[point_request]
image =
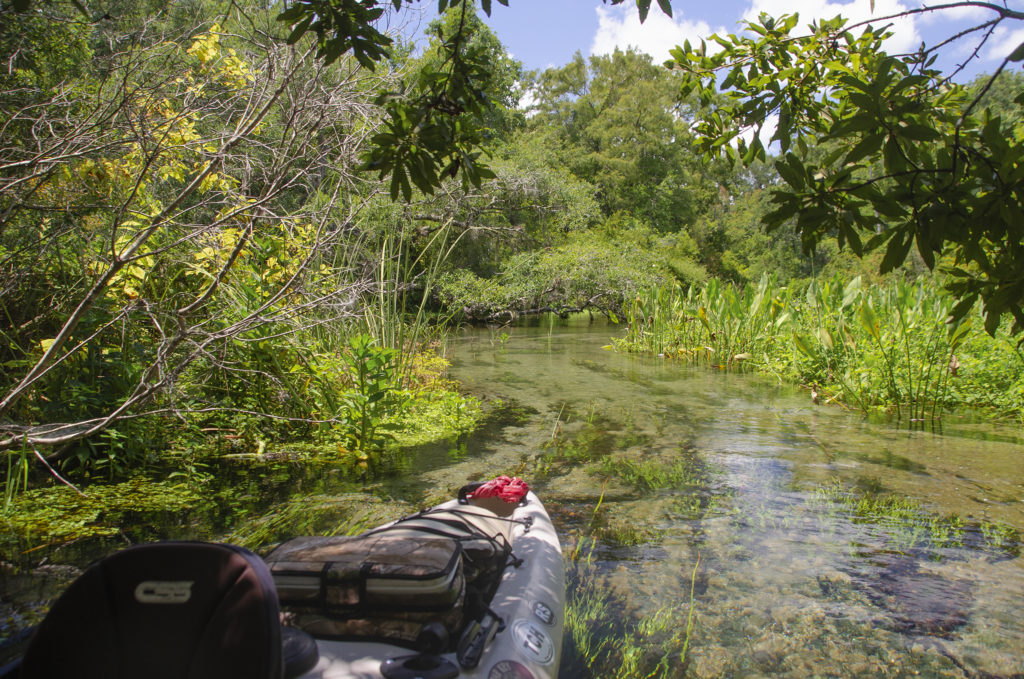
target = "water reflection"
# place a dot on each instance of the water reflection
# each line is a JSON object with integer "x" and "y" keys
{"x": 824, "y": 544}
{"x": 717, "y": 524}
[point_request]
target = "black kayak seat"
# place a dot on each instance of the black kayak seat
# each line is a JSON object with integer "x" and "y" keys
{"x": 168, "y": 610}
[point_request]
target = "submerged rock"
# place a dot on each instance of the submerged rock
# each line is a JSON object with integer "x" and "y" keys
{"x": 711, "y": 661}
{"x": 920, "y": 602}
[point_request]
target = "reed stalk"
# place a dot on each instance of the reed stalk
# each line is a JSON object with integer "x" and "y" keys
{"x": 880, "y": 346}
{"x": 689, "y": 614}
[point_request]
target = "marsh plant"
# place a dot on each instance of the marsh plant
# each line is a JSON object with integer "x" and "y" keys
{"x": 603, "y": 640}
{"x": 375, "y": 393}
{"x": 58, "y": 515}
{"x": 17, "y": 478}
{"x": 574, "y": 442}
{"x": 339, "y": 514}
{"x": 603, "y": 643}
{"x": 875, "y": 347}
{"x": 905, "y": 526}
{"x": 651, "y": 475}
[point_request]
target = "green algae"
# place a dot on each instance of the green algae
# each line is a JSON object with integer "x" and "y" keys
{"x": 59, "y": 515}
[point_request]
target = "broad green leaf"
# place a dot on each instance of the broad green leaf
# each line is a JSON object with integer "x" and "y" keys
{"x": 924, "y": 248}
{"x": 892, "y": 154}
{"x": 867, "y": 146}
{"x": 993, "y": 315}
{"x": 888, "y": 207}
{"x": 896, "y": 252}
{"x": 869, "y": 320}
{"x": 643, "y": 7}
{"x": 396, "y": 181}
{"x": 918, "y": 132}
{"x": 292, "y": 14}
{"x": 791, "y": 170}
{"x": 825, "y": 337}
{"x": 857, "y": 123}
{"x": 854, "y": 239}
{"x": 957, "y": 332}
{"x": 299, "y": 30}
{"x": 803, "y": 345}
{"x": 856, "y": 83}
{"x": 852, "y": 291}
{"x": 703, "y": 316}
{"x": 812, "y": 293}
{"x": 782, "y": 213}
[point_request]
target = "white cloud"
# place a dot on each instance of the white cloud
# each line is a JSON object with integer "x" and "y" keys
{"x": 1003, "y": 43}
{"x": 620, "y": 27}
{"x": 528, "y": 99}
{"x": 958, "y": 16}
{"x": 906, "y": 37}
{"x": 771, "y": 124}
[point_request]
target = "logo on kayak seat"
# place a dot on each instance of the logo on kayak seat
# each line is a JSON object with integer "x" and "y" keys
{"x": 509, "y": 669}
{"x": 533, "y": 642}
{"x": 544, "y": 613}
{"x": 164, "y": 591}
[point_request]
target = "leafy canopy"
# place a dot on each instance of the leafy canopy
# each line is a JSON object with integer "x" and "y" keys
{"x": 432, "y": 127}
{"x": 883, "y": 150}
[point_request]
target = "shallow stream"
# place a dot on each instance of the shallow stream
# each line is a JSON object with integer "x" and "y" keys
{"x": 715, "y": 524}
{"x": 812, "y": 542}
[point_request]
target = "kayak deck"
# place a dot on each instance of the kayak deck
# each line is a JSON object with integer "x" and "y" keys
{"x": 530, "y": 602}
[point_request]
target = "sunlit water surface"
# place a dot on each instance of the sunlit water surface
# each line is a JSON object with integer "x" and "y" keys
{"x": 814, "y": 543}
{"x": 811, "y": 542}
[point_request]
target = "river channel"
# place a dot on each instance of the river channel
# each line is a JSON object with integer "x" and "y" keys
{"x": 715, "y": 524}
{"x": 809, "y": 541}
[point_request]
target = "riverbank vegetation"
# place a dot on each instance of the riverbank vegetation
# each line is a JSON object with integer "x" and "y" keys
{"x": 226, "y": 234}
{"x": 883, "y": 347}
{"x": 190, "y": 254}
{"x": 217, "y": 230}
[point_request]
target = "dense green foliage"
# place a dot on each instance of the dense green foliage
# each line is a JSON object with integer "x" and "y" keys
{"x": 186, "y": 239}
{"x": 886, "y": 347}
{"x": 432, "y": 126}
{"x": 883, "y": 151}
{"x": 598, "y": 196}
{"x": 249, "y": 225}
{"x": 875, "y": 145}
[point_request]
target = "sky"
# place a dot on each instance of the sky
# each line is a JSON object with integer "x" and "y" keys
{"x": 545, "y": 33}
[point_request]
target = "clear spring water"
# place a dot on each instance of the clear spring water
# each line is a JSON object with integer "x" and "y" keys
{"x": 814, "y": 543}
{"x": 828, "y": 545}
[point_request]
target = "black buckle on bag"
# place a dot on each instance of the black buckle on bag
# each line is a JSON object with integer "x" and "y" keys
{"x": 476, "y": 637}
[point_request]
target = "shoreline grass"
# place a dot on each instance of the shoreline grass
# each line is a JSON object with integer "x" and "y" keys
{"x": 872, "y": 347}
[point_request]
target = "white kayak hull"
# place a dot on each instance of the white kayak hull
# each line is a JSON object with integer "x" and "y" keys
{"x": 530, "y": 601}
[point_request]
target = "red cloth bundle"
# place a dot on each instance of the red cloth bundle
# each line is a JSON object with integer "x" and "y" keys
{"x": 509, "y": 490}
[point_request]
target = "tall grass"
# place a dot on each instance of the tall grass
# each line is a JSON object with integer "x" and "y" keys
{"x": 16, "y": 479}
{"x": 874, "y": 347}
{"x": 406, "y": 276}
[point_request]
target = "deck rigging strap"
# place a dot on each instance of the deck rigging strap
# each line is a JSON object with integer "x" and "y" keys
{"x": 467, "y": 529}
